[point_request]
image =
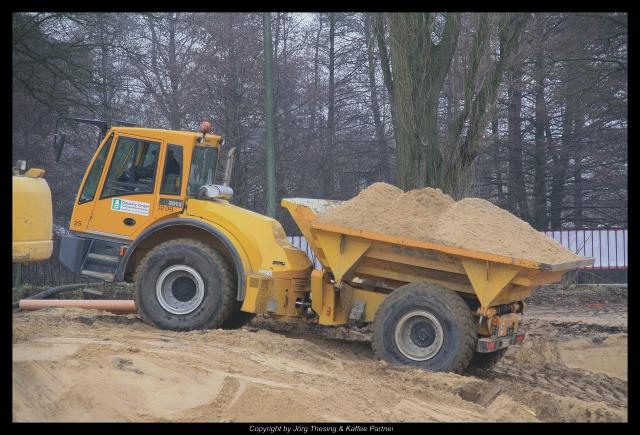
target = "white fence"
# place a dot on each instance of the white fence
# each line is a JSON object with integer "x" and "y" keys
{"x": 608, "y": 246}
{"x": 301, "y": 242}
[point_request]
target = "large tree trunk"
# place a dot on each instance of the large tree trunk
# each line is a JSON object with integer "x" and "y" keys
{"x": 497, "y": 156}
{"x": 174, "y": 76}
{"x": 561, "y": 155}
{"x": 316, "y": 75}
{"x": 106, "y": 111}
{"x": 463, "y": 149}
{"x": 168, "y": 97}
{"x": 419, "y": 70}
{"x": 578, "y": 212}
{"x": 329, "y": 169}
{"x": 383, "y": 168}
{"x": 539, "y": 187}
{"x": 517, "y": 193}
{"x": 385, "y": 61}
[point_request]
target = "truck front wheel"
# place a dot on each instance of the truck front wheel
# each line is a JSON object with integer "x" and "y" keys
{"x": 184, "y": 284}
{"x": 427, "y": 326}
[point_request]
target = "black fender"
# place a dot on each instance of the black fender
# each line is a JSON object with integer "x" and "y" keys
{"x": 119, "y": 276}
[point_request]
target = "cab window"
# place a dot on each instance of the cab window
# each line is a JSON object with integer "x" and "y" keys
{"x": 91, "y": 185}
{"x": 203, "y": 168}
{"x": 133, "y": 168}
{"x": 172, "y": 177}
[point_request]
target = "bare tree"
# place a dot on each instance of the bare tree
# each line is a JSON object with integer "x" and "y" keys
{"x": 422, "y": 49}
{"x": 527, "y": 111}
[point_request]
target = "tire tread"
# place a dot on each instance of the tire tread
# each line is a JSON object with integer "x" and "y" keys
{"x": 228, "y": 296}
{"x": 457, "y": 305}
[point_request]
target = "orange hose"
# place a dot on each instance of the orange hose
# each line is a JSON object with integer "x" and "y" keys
{"x": 113, "y": 305}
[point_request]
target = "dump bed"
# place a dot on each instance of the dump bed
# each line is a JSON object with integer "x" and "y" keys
{"x": 350, "y": 253}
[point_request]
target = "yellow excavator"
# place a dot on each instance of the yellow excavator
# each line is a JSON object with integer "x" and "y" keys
{"x": 148, "y": 211}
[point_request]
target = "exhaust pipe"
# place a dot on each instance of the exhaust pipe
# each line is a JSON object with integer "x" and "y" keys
{"x": 113, "y": 305}
{"x": 229, "y": 167}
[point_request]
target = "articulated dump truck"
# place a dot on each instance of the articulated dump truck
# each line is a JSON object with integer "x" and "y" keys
{"x": 148, "y": 212}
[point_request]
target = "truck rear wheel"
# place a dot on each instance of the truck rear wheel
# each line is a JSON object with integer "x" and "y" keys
{"x": 427, "y": 326}
{"x": 184, "y": 284}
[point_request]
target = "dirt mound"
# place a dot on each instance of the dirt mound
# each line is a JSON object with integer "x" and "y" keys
{"x": 432, "y": 216}
{"x": 552, "y": 295}
{"x": 568, "y": 382}
{"x": 69, "y": 368}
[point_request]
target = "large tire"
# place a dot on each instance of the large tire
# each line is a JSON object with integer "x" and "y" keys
{"x": 426, "y": 326}
{"x": 486, "y": 361}
{"x": 238, "y": 318}
{"x": 184, "y": 284}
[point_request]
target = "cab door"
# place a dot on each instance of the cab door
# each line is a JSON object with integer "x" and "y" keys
{"x": 125, "y": 205}
{"x": 85, "y": 199}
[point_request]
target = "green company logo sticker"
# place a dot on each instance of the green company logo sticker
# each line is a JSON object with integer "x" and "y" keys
{"x": 115, "y": 204}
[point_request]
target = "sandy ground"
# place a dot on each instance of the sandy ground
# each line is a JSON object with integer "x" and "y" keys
{"x": 80, "y": 365}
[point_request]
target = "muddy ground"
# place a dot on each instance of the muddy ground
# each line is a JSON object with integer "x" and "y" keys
{"x": 80, "y": 365}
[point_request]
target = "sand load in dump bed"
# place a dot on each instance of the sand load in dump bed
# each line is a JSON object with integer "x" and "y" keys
{"x": 431, "y": 216}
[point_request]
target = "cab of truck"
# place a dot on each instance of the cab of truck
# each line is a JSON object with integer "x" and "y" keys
{"x": 139, "y": 176}
{"x": 148, "y": 202}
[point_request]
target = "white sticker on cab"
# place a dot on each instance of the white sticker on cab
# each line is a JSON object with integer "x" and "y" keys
{"x": 128, "y": 206}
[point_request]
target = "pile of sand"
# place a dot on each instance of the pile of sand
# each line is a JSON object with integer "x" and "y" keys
{"x": 431, "y": 216}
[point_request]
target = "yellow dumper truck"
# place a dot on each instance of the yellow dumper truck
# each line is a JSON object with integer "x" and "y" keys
{"x": 148, "y": 212}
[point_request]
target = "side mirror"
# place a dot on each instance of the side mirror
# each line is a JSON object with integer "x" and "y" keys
{"x": 58, "y": 144}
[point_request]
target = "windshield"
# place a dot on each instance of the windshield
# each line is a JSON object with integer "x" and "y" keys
{"x": 203, "y": 168}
